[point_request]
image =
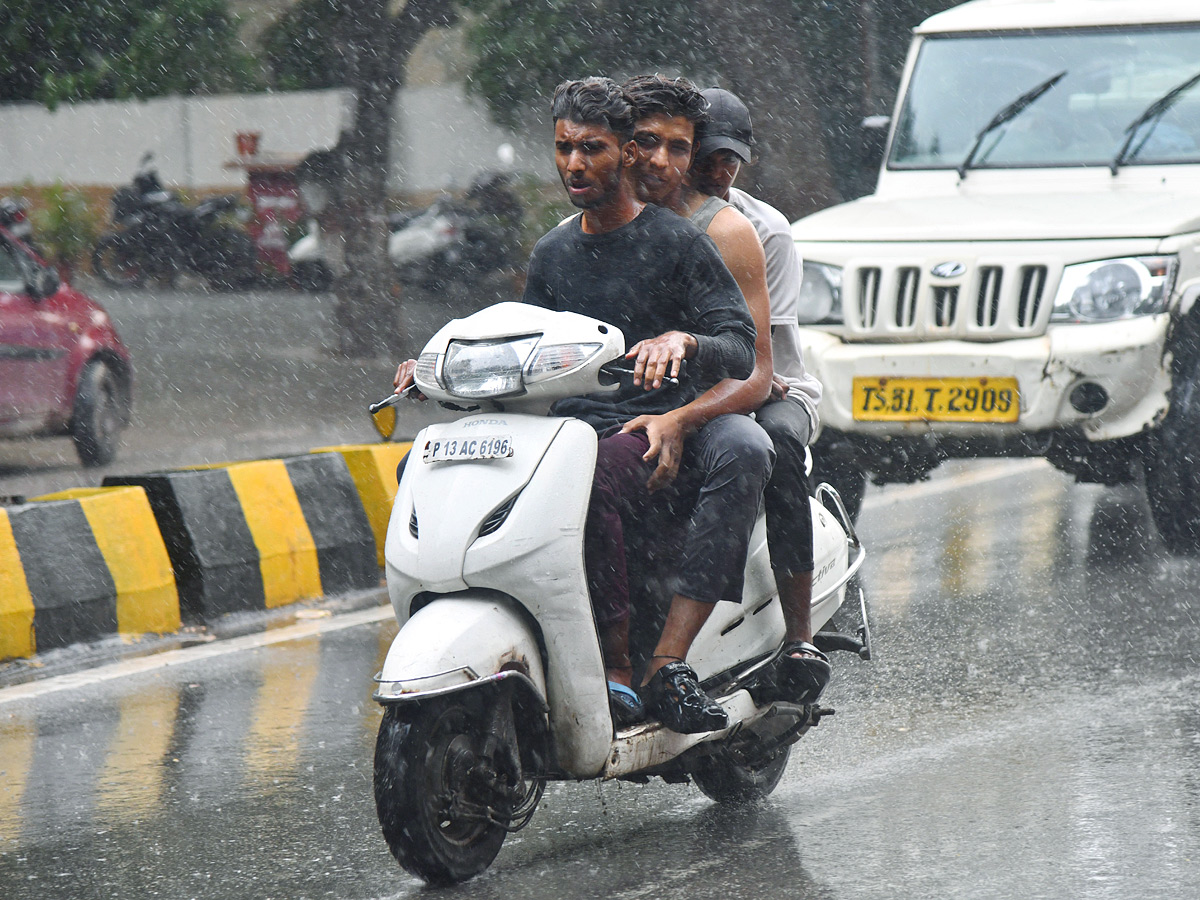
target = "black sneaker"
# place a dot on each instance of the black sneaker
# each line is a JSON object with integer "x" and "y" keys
{"x": 674, "y": 697}
{"x": 795, "y": 679}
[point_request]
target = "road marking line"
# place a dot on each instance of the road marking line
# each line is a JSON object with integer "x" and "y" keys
{"x": 166, "y": 659}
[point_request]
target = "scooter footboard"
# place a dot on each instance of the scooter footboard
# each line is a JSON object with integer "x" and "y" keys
{"x": 458, "y": 642}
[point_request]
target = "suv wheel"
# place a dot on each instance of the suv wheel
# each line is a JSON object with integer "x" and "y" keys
{"x": 1173, "y": 469}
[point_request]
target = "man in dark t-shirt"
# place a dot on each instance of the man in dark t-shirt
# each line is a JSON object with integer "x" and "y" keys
{"x": 662, "y": 282}
{"x": 653, "y": 275}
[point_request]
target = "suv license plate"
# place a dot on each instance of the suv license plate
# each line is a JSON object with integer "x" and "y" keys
{"x": 983, "y": 399}
{"x": 464, "y": 449}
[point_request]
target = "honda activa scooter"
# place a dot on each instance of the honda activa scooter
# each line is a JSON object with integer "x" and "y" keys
{"x": 495, "y": 683}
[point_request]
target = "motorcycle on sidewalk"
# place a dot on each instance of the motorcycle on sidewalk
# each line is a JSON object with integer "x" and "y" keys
{"x": 452, "y": 241}
{"x": 158, "y": 237}
{"x": 14, "y": 218}
{"x": 495, "y": 683}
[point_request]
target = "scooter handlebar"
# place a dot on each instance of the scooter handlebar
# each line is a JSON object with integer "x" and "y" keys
{"x": 622, "y": 370}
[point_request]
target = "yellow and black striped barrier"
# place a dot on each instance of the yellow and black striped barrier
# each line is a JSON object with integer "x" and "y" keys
{"x": 373, "y": 468}
{"x": 261, "y": 534}
{"x": 79, "y": 565}
{"x": 145, "y": 553}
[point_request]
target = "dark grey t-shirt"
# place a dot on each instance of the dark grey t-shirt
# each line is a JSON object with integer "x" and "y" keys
{"x": 659, "y": 273}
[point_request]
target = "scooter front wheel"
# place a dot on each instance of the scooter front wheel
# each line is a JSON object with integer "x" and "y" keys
{"x": 430, "y": 803}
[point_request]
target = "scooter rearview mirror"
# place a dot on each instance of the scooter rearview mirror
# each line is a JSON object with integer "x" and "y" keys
{"x": 384, "y": 421}
{"x": 383, "y": 415}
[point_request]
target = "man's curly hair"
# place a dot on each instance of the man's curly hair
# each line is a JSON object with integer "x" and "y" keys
{"x": 658, "y": 95}
{"x": 595, "y": 100}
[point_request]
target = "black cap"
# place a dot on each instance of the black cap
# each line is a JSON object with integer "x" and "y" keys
{"x": 728, "y": 127}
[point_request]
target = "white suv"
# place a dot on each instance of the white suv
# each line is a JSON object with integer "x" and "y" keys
{"x": 1022, "y": 282}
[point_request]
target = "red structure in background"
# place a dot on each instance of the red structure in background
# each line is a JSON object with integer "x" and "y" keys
{"x": 275, "y": 197}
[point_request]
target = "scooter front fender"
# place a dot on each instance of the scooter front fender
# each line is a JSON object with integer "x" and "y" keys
{"x": 461, "y": 641}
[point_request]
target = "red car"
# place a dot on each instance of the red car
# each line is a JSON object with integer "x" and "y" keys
{"x": 63, "y": 369}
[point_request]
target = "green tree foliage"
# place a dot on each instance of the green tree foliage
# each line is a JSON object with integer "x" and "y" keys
{"x": 56, "y": 52}
{"x": 523, "y": 48}
{"x": 834, "y": 61}
{"x": 301, "y": 47}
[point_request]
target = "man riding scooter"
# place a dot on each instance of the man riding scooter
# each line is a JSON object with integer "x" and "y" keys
{"x": 662, "y": 282}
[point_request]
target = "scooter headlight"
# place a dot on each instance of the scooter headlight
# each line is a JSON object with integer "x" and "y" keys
{"x": 1114, "y": 289}
{"x": 482, "y": 369}
{"x": 556, "y": 359}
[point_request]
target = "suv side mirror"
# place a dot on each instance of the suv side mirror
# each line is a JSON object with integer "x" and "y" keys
{"x": 873, "y": 131}
{"x": 42, "y": 282}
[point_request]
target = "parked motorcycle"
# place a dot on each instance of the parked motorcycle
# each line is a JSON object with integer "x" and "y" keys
{"x": 495, "y": 683}
{"x": 448, "y": 241}
{"x": 14, "y": 218}
{"x": 159, "y": 237}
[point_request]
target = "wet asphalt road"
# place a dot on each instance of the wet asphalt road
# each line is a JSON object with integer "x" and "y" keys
{"x": 1029, "y": 729}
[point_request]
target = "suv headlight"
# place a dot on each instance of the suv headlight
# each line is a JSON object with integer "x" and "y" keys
{"x": 820, "y": 294}
{"x": 1114, "y": 289}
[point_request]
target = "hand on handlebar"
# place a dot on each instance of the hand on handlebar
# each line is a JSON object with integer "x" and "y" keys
{"x": 403, "y": 382}
{"x": 656, "y": 358}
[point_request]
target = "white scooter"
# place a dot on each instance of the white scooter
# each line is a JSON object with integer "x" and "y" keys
{"x": 496, "y": 683}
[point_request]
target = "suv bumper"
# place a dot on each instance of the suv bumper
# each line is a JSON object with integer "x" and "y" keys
{"x": 1125, "y": 358}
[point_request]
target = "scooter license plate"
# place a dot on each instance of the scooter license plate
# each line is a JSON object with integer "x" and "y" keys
{"x": 485, "y": 446}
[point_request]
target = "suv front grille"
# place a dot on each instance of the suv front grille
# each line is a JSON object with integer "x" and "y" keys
{"x": 1033, "y": 291}
{"x": 868, "y": 293}
{"x": 987, "y": 301}
{"x": 987, "y": 304}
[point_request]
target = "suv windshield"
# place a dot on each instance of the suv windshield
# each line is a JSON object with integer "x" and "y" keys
{"x": 959, "y": 84}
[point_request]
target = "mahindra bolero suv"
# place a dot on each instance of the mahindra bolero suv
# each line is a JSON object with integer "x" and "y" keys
{"x": 1023, "y": 282}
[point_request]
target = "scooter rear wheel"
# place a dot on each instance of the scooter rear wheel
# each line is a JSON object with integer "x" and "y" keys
{"x": 724, "y": 778}
{"x": 425, "y": 763}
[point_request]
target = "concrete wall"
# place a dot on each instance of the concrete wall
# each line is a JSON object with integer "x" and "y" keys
{"x": 441, "y": 138}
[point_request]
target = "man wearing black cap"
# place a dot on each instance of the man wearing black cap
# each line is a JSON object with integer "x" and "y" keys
{"x": 755, "y": 241}
{"x": 723, "y": 144}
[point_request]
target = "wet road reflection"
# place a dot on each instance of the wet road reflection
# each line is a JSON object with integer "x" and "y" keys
{"x": 1028, "y": 729}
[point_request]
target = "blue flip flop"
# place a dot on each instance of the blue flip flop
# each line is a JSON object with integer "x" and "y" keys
{"x": 625, "y": 705}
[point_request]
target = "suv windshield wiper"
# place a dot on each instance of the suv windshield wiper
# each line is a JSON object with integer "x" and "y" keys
{"x": 1009, "y": 112}
{"x": 1155, "y": 111}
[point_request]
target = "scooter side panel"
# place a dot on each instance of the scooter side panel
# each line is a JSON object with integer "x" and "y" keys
{"x": 740, "y": 631}
{"x": 736, "y": 632}
{"x": 537, "y": 556}
{"x": 831, "y": 557}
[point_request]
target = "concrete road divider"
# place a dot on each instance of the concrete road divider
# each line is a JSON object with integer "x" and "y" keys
{"x": 79, "y": 566}
{"x": 373, "y": 468}
{"x": 337, "y": 520}
{"x": 127, "y": 535}
{"x": 261, "y": 534}
{"x": 16, "y": 602}
{"x": 146, "y": 553}
{"x": 212, "y": 551}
